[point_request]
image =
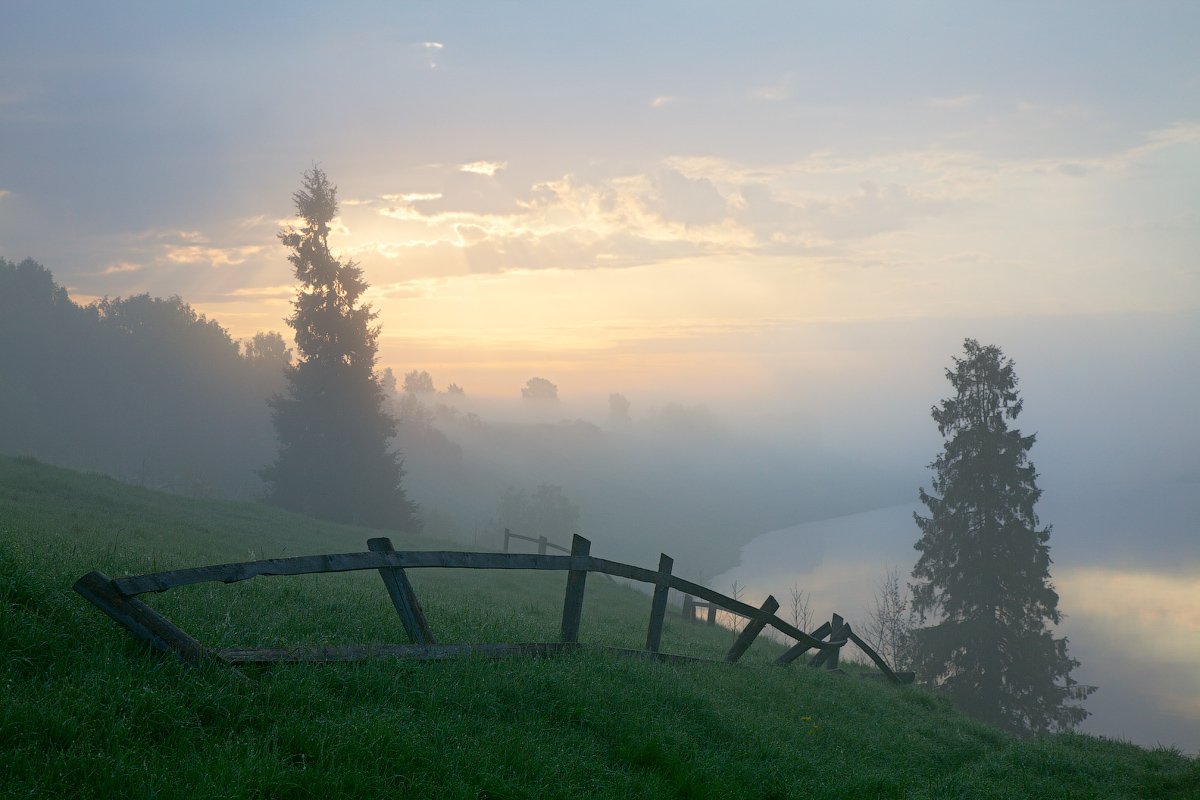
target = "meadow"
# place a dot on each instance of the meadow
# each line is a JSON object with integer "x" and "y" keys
{"x": 86, "y": 711}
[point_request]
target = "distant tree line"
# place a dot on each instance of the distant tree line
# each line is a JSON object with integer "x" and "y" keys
{"x": 142, "y": 388}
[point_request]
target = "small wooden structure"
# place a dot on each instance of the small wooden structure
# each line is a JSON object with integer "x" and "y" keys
{"x": 119, "y": 599}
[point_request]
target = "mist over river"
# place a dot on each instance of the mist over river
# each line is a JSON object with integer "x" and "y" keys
{"x": 1131, "y": 612}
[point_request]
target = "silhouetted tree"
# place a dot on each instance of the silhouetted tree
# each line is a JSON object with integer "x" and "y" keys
{"x": 418, "y": 382}
{"x": 540, "y": 390}
{"x": 618, "y": 410}
{"x": 984, "y": 568}
{"x": 334, "y": 460}
{"x": 142, "y": 388}
{"x": 544, "y": 512}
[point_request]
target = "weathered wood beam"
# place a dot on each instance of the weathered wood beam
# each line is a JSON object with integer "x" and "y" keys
{"x": 800, "y": 648}
{"x": 433, "y": 652}
{"x": 573, "y": 597}
{"x": 658, "y": 607}
{"x": 753, "y": 629}
{"x": 400, "y": 589}
{"x": 336, "y": 562}
{"x": 879, "y": 662}
{"x": 140, "y": 619}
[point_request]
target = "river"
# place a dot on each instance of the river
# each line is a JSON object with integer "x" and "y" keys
{"x": 1131, "y": 604}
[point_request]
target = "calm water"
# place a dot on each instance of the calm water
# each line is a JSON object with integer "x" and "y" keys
{"x": 1132, "y": 603}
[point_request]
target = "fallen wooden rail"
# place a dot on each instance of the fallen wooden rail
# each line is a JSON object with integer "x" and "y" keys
{"x": 118, "y": 598}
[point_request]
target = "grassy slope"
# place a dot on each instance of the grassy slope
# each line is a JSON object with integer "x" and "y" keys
{"x": 85, "y": 711}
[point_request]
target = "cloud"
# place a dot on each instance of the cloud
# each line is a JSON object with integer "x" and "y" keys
{"x": 122, "y": 267}
{"x": 488, "y": 168}
{"x": 957, "y": 101}
{"x": 430, "y": 51}
{"x": 214, "y": 256}
{"x": 412, "y": 197}
{"x": 663, "y": 100}
{"x": 4, "y": 193}
{"x": 776, "y": 92}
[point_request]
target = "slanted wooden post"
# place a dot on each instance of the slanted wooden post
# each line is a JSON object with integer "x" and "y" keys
{"x": 541, "y": 545}
{"x": 828, "y": 657}
{"x": 712, "y": 614}
{"x": 403, "y": 596}
{"x": 140, "y": 619}
{"x": 752, "y": 629}
{"x": 689, "y": 608}
{"x": 576, "y": 579}
{"x": 506, "y": 535}
{"x": 658, "y": 608}
{"x": 800, "y": 648}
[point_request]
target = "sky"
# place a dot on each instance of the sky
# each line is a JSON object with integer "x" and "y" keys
{"x": 619, "y": 197}
{"x": 791, "y": 211}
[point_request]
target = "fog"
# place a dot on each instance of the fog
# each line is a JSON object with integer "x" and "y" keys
{"x": 810, "y": 484}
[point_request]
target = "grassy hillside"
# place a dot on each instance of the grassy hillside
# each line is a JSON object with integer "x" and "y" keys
{"x": 85, "y": 711}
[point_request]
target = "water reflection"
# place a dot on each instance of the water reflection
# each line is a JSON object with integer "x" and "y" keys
{"x": 1135, "y": 631}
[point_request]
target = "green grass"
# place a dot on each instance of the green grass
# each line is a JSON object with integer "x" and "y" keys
{"x": 85, "y": 711}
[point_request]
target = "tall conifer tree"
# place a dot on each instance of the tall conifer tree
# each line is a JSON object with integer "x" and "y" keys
{"x": 984, "y": 568}
{"x": 334, "y": 460}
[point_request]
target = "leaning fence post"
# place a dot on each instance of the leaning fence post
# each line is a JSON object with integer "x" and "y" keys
{"x": 800, "y": 648}
{"x": 752, "y": 629}
{"x": 140, "y": 619}
{"x": 658, "y": 608}
{"x": 576, "y": 579}
{"x": 828, "y": 657}
{"x": 403, "y": 596}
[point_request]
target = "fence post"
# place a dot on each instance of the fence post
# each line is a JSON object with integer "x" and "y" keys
{"x": 800, "y": 648}
{"x": 829, "y": 656}
{"x": 576, "y": 579}
{"x": 712, "y": 614}
{"x": 403, "y": 596}
{"x": 140, "y": 619}
{"x": 541, "y": 545}
{"x": 689, "y": 608}
{"x": 752, "y": 629}
{"x": 658, "y": 608}
{"x": 506, "y": 535}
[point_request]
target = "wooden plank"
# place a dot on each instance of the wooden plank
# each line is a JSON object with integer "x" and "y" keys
{"x": 400, "y": 589}
{"x": 435, "y": 652}
{"x": 800, "y": 648}
{"x": 337, "y": 562}
{"x": 879, "y": 662}
{"x": 827, "y": 658}
{"x": 704, "y": 593}
{"x": 573, "y": 597}
{"x": 139, "y": 619}
{"x": 616, "y": 568}
{"x": 752, "y": 629}
{"x": 658, "y": 607}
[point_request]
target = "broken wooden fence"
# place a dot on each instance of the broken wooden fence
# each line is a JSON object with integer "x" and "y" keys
{"x": 541, "y": 541}
{"x": 119, "y": 599}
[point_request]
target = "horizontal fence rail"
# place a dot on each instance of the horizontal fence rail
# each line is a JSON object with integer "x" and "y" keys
{"x": 118, "y": 598}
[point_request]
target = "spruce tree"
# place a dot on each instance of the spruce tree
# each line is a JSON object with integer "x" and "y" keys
{"x": 984, "y": 568}
{"x": 334, "y": 460}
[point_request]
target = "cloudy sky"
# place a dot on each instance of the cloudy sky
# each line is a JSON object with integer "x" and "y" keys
{"x": 620, "y": 197}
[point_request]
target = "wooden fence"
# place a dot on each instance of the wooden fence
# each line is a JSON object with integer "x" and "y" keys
{"x": 541, "y": 541}
{"x": 119, "y": 599}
